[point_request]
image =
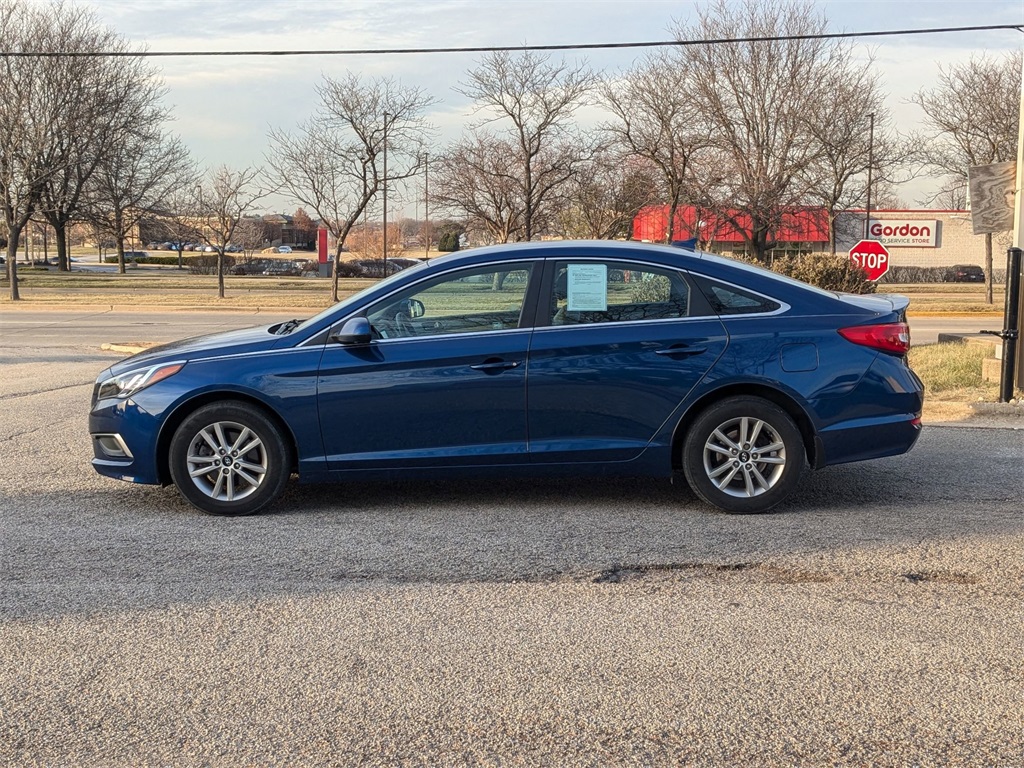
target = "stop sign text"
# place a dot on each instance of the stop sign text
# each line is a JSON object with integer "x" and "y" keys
{"x": 872, "y": 257}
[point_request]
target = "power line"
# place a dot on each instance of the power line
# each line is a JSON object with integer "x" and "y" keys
{"x": 504, "y": 48}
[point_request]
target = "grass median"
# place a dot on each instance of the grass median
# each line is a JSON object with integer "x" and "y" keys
{"x": 169, "y": 288}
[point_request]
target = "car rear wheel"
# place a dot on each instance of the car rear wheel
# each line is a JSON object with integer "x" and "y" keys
{"x": 229, "y": 459}
{"x": 743, "y": 455}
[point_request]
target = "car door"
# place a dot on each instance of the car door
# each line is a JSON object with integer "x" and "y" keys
{"x": 443, "y": 383}
{"x": 617, "y": 348}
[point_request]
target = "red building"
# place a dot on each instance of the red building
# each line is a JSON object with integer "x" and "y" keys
{"x": 801, "y": 230}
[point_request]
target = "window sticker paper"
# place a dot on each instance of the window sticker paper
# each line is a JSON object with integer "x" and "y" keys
{"x": 587, "y": 288}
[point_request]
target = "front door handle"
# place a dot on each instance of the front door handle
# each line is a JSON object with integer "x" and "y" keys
{"x": 681, "y": 350}
{"x": 495, "y": 365}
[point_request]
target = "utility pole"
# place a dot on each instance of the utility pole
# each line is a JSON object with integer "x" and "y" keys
{"x": 385, "y": 268}
{"x": 426, "y": 203}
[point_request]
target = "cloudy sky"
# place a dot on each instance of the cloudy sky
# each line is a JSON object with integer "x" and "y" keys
{"x": 225, "y": 106}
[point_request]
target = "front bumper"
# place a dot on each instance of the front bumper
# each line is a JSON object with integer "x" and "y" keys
{"x": 124, "y": 439}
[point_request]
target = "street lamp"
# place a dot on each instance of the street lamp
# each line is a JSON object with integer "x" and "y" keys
{"x": 426, "y": 202}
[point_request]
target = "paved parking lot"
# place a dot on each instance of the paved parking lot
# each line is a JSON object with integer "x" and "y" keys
{"x": 877, "y": 618}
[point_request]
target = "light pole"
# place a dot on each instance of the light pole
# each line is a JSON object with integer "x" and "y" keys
{"x": 385, "y": 266}
{"x": 426, "y": 203}
{"x": 871, "y": 163}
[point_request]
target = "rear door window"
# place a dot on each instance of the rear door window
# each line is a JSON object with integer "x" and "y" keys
{"x": 584, "y": 292}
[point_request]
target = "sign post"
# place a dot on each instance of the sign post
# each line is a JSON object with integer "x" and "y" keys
{"x": 872, "y": 257}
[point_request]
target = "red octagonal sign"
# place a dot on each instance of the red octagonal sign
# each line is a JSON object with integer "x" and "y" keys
{"x": 872, "y": 257}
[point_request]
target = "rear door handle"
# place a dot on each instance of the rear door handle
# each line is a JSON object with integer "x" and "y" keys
{"x": 495, "y": 366}
{"x": 681, "y": 350}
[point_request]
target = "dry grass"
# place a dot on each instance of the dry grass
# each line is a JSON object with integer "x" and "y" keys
{"x": 952, "y": 380}
{"x": 951, "y": 368}
{"x": 942, "y": 298}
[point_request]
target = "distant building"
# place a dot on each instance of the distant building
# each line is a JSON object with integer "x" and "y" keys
{"x": 914, "y": 237}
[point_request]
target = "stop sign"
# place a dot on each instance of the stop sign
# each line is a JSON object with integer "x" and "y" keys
{"x": 872, "y": 257}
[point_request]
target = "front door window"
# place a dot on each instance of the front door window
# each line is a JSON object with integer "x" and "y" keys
{"x": 468, "y": 301}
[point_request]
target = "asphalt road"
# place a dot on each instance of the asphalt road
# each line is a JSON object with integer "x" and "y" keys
{"x": 877, "y": 618}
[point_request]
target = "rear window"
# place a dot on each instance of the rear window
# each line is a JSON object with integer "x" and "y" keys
{"x": 730, "y": 300}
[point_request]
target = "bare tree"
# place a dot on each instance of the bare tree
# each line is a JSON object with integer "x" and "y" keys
{"x": 220, "y": 204}
{"x": 175, "y": 223}
{"x": 757, "y": 97}
{"x": 604, "y": 199}
{"x": 972, "y": 118}
{"x": 538, "y": 98}
{"x": 655, "y": 120}
{"x": 335, "y": 165}
{"x": 114, "y": 96}
{"x": 60, "y": 115}
{"x": 479, "y": 179}
{"x": 30, "y": 113}
{"x": 136, "y": 178}
{"x": 303, "y": 227}
{"x": 854, "y": 132}
{"x": 250, "y": 235}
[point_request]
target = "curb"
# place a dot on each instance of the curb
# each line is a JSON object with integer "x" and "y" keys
{"x": 132, "y": 348}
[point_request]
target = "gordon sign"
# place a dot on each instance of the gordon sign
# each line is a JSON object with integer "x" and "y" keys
{"x": 905, "y": 233}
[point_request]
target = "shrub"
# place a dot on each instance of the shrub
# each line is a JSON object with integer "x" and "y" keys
{"x": 448, "y": 242}
{"x": 832, "y": 273}
{"x": 915, "y": 275}
{"x": 652, "y": 289}
{"x": 206, "y": 263}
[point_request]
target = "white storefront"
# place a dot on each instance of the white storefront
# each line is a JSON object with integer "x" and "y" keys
{"x": 922, "y": 237}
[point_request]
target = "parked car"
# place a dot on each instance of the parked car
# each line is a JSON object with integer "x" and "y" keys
{"x": 405, "y": 263}
{"x": 369, "y": 268}
{"x": 538, "y": 358}
{"x": 282, "y": 269}
{"x": 284, "y": 249}
{"x": 965, "y": 273}
{"x": 253, "y": 267}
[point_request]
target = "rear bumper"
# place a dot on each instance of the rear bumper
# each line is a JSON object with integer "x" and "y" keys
{"x": 869, "y": 438}
{"x": 883, "y": 419}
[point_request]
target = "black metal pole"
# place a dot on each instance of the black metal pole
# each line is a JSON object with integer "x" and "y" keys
{"x": 1009, "y": 334}
{"x": 871, "y": 165}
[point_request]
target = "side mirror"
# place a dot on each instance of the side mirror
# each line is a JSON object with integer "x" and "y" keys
{"x": 355, "y": 330}
{"x": 416, "y": 308}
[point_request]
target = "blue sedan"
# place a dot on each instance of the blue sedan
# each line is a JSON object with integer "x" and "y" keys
{"x": 532, "y": 359}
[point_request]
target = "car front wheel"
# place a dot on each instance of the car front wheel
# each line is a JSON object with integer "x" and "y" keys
{"x": 229, "y": 459}
{"x": 743, "y": 455}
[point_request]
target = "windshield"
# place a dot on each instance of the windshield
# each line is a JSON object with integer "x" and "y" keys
{"x": 355, "y": 297}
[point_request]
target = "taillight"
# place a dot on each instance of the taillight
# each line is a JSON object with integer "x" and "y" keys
{"x": 887, "y": 337}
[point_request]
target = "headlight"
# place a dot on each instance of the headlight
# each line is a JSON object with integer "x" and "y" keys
{"x": 127, "y": 384}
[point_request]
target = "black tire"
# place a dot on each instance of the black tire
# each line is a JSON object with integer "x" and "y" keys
{"x": 249, "y": 461}
{"x": 737, "y": 476}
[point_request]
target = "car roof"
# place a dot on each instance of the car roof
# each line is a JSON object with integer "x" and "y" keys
{"x": 710, "y": 265}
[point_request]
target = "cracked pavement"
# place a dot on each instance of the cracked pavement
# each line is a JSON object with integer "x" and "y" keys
{"x": 878, "y": 617}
